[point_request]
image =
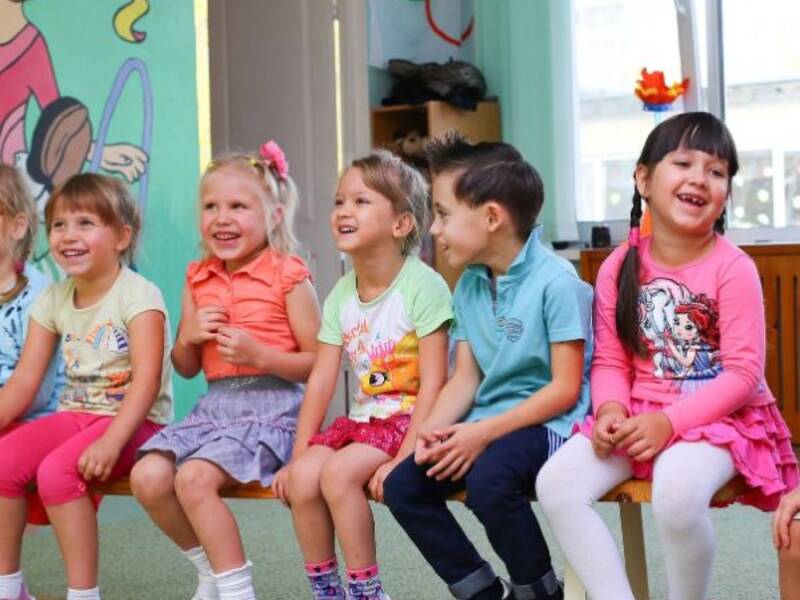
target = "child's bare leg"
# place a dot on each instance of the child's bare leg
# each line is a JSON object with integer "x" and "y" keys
{"x": 75, "y": 526}
{"x": 343, "y": 479}
{"x": 12, "y": 525}
{"x": 789, "y": 565}
{"x": 153, "y": 484}
{"x": 313, "y": 524}
{"x": 197, "y": 485}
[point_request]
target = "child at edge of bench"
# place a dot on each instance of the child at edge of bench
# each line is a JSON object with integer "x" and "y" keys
{"x": 677, "y": 378}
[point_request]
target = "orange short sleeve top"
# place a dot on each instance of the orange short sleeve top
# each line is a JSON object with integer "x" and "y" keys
{"x": 254, "y": 298}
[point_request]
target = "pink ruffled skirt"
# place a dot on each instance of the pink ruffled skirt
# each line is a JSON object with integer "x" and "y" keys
{"x": 757, "y": 438}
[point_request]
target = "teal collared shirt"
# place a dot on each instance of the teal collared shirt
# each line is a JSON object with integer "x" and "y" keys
{"x": 511, "y": 322}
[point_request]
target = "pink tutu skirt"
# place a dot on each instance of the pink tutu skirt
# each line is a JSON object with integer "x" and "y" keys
{"x": 757, "y": 438}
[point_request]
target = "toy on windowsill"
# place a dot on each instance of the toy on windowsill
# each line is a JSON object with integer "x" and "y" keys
{"x": 657, "y": 97}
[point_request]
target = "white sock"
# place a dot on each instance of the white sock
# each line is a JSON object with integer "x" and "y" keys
{"x": 11, "y": 585}
{"x": 206, "y": 586}
{"x": 91, "y": 594}
{"x": 685, "y": 477}
{"x": 236, "y": 584}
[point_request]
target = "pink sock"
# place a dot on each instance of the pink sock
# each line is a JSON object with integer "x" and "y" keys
{"x": 362, "y": 574}
{"x": 326, "y": 566}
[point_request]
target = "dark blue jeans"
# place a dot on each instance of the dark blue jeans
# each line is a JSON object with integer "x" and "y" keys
{"x": 498, "y": 488}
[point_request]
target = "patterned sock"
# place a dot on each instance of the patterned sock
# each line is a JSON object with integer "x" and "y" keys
{"x": 365, "y": 584}
{"x": 324, "y": 580}
{"x": 236, "y": 584}
{"x": 91, "y": 594}
{"x": 206, "y": 586}
{"x": 11, "y": 585}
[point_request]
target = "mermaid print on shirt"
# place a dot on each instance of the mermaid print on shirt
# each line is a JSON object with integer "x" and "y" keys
{"x": 681, "y": 332}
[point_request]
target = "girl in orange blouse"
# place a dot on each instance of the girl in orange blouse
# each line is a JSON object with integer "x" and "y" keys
{"x": 250, "y": 320}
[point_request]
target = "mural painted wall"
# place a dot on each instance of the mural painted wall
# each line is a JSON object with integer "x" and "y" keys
{"x": 110, "y": 85}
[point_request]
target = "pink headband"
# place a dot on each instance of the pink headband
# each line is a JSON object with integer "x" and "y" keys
{"x": 275, "y": 159}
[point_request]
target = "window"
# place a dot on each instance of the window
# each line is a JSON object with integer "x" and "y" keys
{"x": 760, "y": 99}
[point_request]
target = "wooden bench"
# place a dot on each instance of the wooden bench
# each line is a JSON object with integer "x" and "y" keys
{"x": 630, "y": 495}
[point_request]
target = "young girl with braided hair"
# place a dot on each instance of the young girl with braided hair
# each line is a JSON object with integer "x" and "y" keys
{"x": 249, "y": 322}
{"x": 687, "y": 430}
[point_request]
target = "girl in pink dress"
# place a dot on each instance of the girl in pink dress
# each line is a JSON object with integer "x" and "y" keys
{"x": 683, "y": 293}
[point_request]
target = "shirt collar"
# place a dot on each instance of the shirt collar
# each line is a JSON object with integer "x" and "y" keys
{"x": 260, "y": 268}
{"x": 522, "y": 262}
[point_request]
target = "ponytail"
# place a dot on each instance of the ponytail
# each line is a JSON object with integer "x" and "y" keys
{"x": 627, "y": 313}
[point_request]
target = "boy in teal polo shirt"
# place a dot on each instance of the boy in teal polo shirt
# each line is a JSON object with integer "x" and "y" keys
{"x": 523, "y": 349}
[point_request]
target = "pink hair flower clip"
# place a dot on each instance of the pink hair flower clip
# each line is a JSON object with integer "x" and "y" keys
{"x": 275, "y": 158}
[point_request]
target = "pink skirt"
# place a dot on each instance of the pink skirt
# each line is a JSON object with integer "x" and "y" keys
{"x": 757, "y": 438}
{"x": 383, "y": 434}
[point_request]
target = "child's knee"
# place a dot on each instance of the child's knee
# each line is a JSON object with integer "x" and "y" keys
{"x": 790, "y": 557}
{"x": 553, "y": 487}
{"x": 152, "y": 478}
{"x": 58, "y": 482}
{"x": 304, "y": 483}
{"x": 400, "y": 488}
{"x": 678, "y": 510}
{"x": 195, "y": 481}
{"x": 336, "y": 481}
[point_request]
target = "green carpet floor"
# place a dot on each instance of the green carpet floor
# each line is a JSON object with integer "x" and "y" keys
{"x": 138, "y": 563}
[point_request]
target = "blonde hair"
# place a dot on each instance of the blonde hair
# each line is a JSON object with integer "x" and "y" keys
{"x": 402, "y": 185}
{"x": 15, "y": 200}
{"x": 280, "y": 191}
{"x": 106, "y": 197}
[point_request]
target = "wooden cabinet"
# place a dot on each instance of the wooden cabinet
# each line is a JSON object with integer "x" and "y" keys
{"x": 779, "y": 269}
{"x": 433, "y": 119}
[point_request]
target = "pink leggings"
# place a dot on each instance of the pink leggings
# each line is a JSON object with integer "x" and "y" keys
{"x": 47, "y": 451}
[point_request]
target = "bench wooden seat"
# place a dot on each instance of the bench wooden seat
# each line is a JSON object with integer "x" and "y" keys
{"x": 630, "y": 495}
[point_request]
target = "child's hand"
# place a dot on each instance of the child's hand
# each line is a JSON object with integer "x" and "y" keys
{"x": 463, "y": 443}
{"x": 783, "y": 517}
{"x": 280, "y": 484}
{"x": 201, "y": 324}
{"x": 238, "y": 347}
{"x": 98, "y": 460}
{"x": 605, "y": 425}
{"x": 426, "y": 447}
{"x": 376, "y": 482}
{"x": 643, "y": 435}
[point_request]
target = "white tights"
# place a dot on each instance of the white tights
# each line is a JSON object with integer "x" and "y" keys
{"x": 685, "y": 478}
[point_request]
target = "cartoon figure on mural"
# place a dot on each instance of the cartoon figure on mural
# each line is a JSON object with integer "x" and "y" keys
{"x": 62, "y": 140}
{"x": 680, "y": 330}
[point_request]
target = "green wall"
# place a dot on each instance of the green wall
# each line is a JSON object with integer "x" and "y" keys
{"x": 86, "y": 54}
{"x": 514, "y": 52}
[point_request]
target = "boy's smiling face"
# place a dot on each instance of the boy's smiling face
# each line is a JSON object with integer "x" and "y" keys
{"x": 461, "y": 231}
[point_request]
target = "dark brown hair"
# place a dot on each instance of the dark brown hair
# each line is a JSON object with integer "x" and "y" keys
{"x": 490, "y": 171}
{"x": 690, "y": 131}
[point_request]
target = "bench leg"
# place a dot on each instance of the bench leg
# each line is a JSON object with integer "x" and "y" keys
{"x": 573, "y": 588}
{"x": 633, "y": 546}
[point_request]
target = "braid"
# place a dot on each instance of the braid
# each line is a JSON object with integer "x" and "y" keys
{"x": 719, "y": 224}
{"x": 627, "y": 314}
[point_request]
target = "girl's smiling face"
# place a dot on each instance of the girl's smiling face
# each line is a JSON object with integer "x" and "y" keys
{"x": 686, "y": 191}
{"x": 83, "y": 245}
{"x": 233, "y": 219}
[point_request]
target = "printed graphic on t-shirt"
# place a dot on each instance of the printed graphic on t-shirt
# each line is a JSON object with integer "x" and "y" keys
{"x": 383, "y": 349}
{"x": 681, "y": 332}
{"x": 90, "y": 363}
